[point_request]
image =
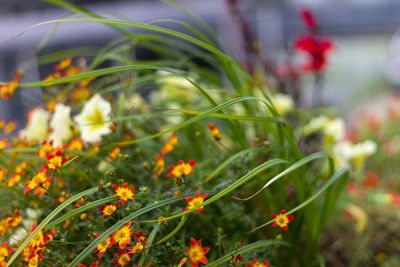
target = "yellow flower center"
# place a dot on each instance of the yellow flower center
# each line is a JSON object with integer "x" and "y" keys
{"x": 282, "y": 220}
{"x": 195, "y": 254}
{"x": 96, "y": 119}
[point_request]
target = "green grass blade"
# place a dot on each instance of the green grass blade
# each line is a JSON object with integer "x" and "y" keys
{"x": 295, "y": 166}
{"x": 248, "y": 248}
{"x": 330, "y": 181}
{"x": 230, "y": 160}
{"x": 173, "y": 232}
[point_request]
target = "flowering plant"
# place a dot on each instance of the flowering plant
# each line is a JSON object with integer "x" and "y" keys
{"x": 90, "y": 161}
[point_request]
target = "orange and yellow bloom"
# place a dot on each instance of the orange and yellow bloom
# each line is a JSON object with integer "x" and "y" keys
{"x": 46, "y": 149}
{"x": 122, "y": 236}
{"x": 197, "y": 253}
{"x": 170, "y": 145}
{"x": 214, "y": 131}
{"x": 102, "y": 247}
{"x": 196, "y": 201}
{"x": 282, "y": 220}
{"x": 256, "y": 263}
{"x": 124, "y": 192}
{"x": 4, "y": 251}
{"x": 39, "y": 178}
{"x": 108, "y": 208}
{"x": 4, "y": 143}
{"x": 181, "y": 168}
{"x": 55, "y": 160}
{"x": 7, "y": 90}
{"x": 123, "y": 259}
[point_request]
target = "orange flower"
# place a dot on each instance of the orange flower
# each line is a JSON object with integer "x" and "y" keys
{"x": 94, "y": 264}
{"x": 4, "y": 143}
{"x": 115, "y": 153}
{"x": 122, "y": 236}
{"x": 181, "y": 169}
{"x": 123, "y": 259}
{"x": 40, "y": 239}
{"x": 141, "y": 242}
{"x": 102, "y": 247}
{"x": 14, "y": 180}
{"x": 10, "y": 127}
{"x": 214, "y": 131}
{"x": 195, "y": 201}
{"x": 5, "y": 251}
{"x": 39, "y": 178}
{"x": 196, "y": 253}
{"x": 282, "y": 220}
{"x": 3, "y": 173}
{"x": 124, "y": 192}
{"x": 257, "y": 264}
{"x": 46, "y": 149}
{"x": 63, "y": 64}
{"x": 21, "y": 167}
{"x": 33, "y": 259}
{"x": 7, "y": 90}
{"x": 170, "y": 145}
{"x": 160, "y": 165}
{"x": 55, "y": 160}
{"x": 40, "y": 191}
{"x": 182, "y": 262}
{"x": 108, "y": 209}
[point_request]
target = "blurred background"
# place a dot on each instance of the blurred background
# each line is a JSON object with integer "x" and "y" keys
{"x": 363, "y": 67}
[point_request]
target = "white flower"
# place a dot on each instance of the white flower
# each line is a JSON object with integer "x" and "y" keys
{"x": 315, "y": 124}
{"x": 37, "y": 126}
{"x": 61, "y": 124}
{"x": 345, "y": 151}
{"x": 19, "y": 235}
{"x": 364, "y": 149}
{"x": 92, "y": 121}
{"x": 335, "y": 128}
{"x": 283, "y": 103}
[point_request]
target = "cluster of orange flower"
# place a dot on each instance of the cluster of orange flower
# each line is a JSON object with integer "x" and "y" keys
{"x": 33, "y": 252}
{"x": 8, "y": 127}
{"x": 7, "y": 90}
{"x": 169, "y": 146}
{"x": 10, "y": 222}
{"x": 41, "y": 181}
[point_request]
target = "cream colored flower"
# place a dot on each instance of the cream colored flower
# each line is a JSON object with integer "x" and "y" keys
{"x": 92, "y": 121}
{"x": 61, "y": 124}
{"x": 37, "y": 126}
{"x": 283, "y": 103}
{"x": 335, "y": 129}
{"x": 315, "y": 124}
{"x": 346, "y": 152}
{"x": 331, "y": 128}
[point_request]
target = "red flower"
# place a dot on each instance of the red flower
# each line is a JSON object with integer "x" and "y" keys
{"x": 195, "y": 201}
{"x": 308, "y": 19}
{"x": 108, "y": 209}
{"x": 282, "y": 220}
{"x": 124, "y": 192}
{"x": 316, "y": 48}
{"x": 196, "y": 253}
{"x": 181, "y": 169}
{"x": 237, "y": 259}
{"x": 257, "y": 264}
{"x": 124, "y": 259}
